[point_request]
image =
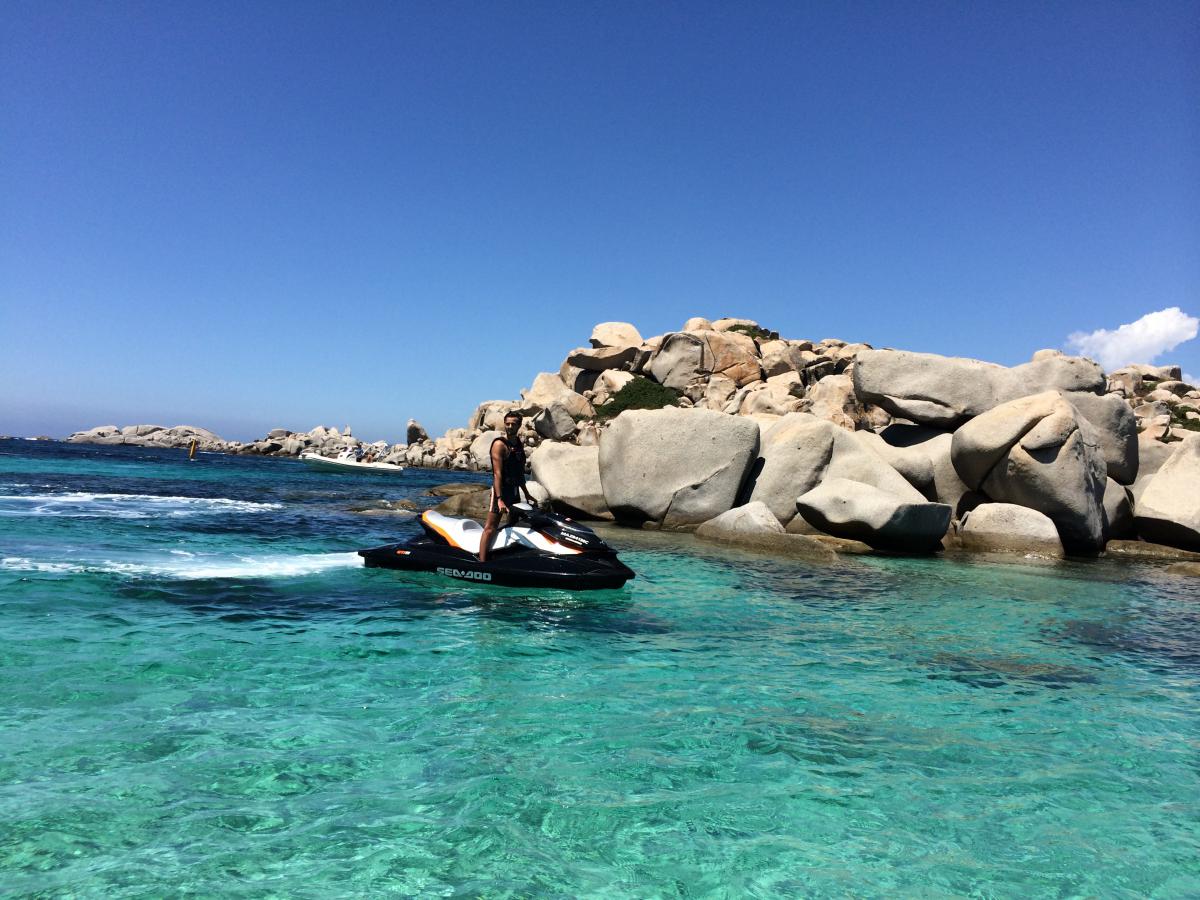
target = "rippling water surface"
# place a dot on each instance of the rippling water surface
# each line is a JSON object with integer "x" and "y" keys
{"x": 204, "y": 693}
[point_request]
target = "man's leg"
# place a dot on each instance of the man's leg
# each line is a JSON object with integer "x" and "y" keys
{"x": 489, "y": 532}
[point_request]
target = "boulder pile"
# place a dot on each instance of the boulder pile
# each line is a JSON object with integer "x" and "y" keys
{"x": 904, "y": 451}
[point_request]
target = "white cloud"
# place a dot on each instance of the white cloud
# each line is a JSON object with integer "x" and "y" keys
{"x": 1137, "y": 342}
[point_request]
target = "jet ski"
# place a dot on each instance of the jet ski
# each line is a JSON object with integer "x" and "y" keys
{"x": 542, "y": 550}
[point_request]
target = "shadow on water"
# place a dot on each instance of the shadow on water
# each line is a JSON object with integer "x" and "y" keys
{"x": 246, "y": 599}
{"x": 292, "y": 601}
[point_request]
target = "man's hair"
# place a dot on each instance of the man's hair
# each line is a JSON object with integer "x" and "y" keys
{"x": 513, "y": 415}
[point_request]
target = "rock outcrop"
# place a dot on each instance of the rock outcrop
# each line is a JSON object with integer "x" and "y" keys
{"x": 178, "y": 436}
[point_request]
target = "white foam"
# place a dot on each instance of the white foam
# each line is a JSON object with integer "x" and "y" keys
{"x": 197, "y": 567}
{"x": 78, "y": 504}
{"x": 21, "y": 564}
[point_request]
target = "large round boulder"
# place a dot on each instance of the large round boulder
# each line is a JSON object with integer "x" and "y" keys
{"x": 800, "y": 451}
{"x": 945, "y": 391}
{"x": 1038, "y": 452}
{"x": 851, "y": 509}
{"x": 1116, "y": 431}
{"x": 1168, "y": 511}
{"x": 675, "y": 467}
{"x": 554, "y": 423}
{"x": 780, "y": 357}
{"x": 571, "y": 476}
{"x": 753, "y": 518}
{"x": 685, "y": 356}
{"x": 480, "y": 448}
{"x": 1152, "y": 456}
{"x": 548, "y": 389}
{"x": 615, "y": 334}
{"x": 1006, "y": 527}
{"x": 833, "y": 398}
{"x": 489, "y": 415}
{"x": 609, "y": 384}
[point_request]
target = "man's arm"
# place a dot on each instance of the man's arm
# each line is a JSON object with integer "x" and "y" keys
{"x": 499, "y": 451}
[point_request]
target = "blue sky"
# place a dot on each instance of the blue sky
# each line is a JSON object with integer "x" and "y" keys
{"x": 245, "y": 216}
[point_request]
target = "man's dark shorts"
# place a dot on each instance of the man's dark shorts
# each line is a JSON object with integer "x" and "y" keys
{"x": 509, "y": 494}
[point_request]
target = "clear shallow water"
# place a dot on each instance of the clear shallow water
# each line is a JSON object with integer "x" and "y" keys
{"x": 202, "y": 692}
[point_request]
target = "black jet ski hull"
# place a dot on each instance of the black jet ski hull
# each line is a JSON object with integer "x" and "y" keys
{"x": 506, "y": 568}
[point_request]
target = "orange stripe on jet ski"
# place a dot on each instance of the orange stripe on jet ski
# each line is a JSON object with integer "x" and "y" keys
{"x": 449, "y": 540}
{"x": 566, "y": 547}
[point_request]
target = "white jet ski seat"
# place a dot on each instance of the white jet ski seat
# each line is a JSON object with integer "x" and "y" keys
{"x": 466, "y": 534}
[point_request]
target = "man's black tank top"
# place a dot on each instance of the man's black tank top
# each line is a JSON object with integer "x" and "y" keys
{"x": 513, "y": 472}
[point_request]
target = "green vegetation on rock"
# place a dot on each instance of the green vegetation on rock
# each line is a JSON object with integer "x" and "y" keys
{"x": 641, "y": 393}
{"x": 754, "y": 331}
{"x": 1179, "y": 420}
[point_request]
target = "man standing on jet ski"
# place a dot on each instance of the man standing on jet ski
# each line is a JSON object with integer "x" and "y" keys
{"x": 508, "y": 481}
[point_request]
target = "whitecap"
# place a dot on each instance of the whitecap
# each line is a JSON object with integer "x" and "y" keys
{"x": 197, "y": 567}
{"x": 85, "y": 504}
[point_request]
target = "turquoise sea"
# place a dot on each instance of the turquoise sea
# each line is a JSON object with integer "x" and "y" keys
{"x": 203, "y": 693}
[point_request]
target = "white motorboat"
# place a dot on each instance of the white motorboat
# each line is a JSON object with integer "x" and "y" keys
{"x": 345, "y": 463}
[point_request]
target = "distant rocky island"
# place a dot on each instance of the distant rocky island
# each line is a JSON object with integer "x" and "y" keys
{"x": 725, "y": 428}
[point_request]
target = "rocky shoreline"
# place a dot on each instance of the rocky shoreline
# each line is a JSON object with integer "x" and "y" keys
{"x": 727, "y": 429}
